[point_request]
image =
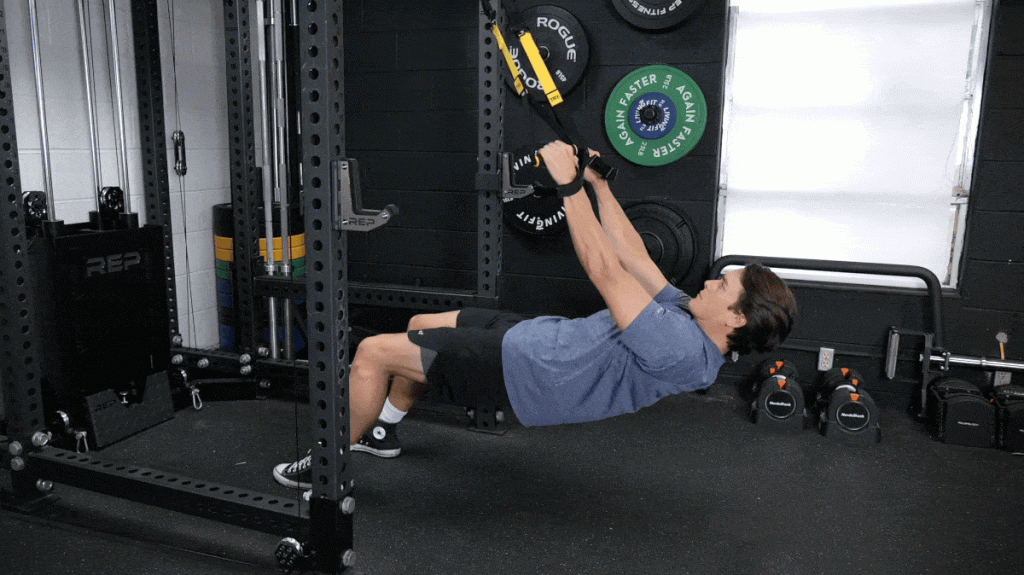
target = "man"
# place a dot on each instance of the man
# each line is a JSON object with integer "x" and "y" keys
{"x": 652, "y": 341}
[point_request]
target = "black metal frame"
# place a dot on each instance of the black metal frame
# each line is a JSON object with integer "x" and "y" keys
{"x": 153, "y": 137}
{"x": 322, "y": 102}
{"x": 19, "y": 370}
{"x": 245, "y": 178}
{"x": 328, "y": 519}
{"x": 490, "y": 131}
{"x": 924, "y": 274}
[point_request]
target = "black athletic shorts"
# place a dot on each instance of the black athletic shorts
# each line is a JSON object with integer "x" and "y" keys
{"x": 465, "y": 362}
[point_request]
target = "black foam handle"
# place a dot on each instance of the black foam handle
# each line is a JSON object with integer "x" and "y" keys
{"x": 603, "y": 168}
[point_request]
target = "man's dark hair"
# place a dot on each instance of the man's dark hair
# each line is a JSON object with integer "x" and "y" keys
{"x": 769, "y": 307}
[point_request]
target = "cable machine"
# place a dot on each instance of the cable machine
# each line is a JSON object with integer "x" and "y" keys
{"x": 324, "y": 524}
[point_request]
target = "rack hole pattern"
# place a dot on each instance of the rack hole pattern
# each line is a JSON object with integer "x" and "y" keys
{"x": 18, "y": 368}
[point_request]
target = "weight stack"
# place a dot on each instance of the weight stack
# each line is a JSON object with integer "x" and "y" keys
{"x": 224, "y": 244}
{"x": 847, "y": 411}
{"x": 1010, "y": 417}
{"x": 104, "y": 329}
{"x": 960, "y": 414}
{"x": 781, "y": 401}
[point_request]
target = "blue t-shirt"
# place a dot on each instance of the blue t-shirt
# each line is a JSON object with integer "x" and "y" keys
{"x": 560, "y": 370}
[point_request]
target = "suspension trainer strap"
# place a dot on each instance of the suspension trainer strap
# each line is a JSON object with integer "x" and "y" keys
{"x": 547, "y": 82}
{"x": 545, "y": 101}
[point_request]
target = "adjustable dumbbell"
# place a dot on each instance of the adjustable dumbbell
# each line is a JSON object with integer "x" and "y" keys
{"x": 1010, "y": 417}
{"x": 960, "y": 413}
{"x": 780, "y": 400}
{"x": 845, "y": 408}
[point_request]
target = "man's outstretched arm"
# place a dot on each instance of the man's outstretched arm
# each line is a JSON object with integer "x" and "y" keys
{"x": 621, "y": 291}
{"x": 627, "y": 243}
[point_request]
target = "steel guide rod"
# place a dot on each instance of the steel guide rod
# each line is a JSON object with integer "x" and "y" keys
{"x": 122, "y": 155}
{"x": 85, "y": 27}
{"x": 268, "y": 194}
{"x": 981, "y": 362}
{"x": 281, "y": 159}
{"x": 44, "y": 139}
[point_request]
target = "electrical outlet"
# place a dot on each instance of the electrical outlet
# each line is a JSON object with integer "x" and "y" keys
{"x": 826, "y": 356}
{"x": 1002, "y": 378}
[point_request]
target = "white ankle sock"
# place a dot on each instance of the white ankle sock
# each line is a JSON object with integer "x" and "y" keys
{"x": 390, "y": 413}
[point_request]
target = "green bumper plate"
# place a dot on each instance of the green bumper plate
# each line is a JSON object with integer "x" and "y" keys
{"x": 655, "y": 115}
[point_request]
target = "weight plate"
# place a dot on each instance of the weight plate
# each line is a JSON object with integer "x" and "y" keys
{"x": 542, "y": 213}
{"x": 655, "y": 115}
{"x": 656, "y": 14}
{"x": 563, "y": 45}
{"x": 667, "y": 236}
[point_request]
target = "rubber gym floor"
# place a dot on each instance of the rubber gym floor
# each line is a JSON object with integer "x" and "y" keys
{"x": 687, "y": 486}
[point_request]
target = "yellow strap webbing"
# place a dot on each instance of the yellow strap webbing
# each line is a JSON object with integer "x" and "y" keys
{"x": 517, "y": 79}
{"x": 540, "y": 68}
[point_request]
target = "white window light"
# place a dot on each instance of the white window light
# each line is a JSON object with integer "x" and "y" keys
{"x": 850, "y": 129}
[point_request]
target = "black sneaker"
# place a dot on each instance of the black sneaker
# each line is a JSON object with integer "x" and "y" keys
{"x": 298, "y": 474}
{"x": 380, "y": 441}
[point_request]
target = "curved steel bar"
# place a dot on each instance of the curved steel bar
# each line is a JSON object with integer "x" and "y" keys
{"x": 929, "y": 278}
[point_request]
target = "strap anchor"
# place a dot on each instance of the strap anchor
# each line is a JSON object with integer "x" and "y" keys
{"x": 508, "y": 189}
{"x": 348, "y": 212}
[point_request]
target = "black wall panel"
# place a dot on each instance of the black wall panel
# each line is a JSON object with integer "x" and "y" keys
{"x": 989, "y": 240}
{"x": 423, "y": 90}
{"x": 1009, "y": 34}
{"x": 415, "y": 130}
{"x": 406, "y": 15}
{"x": 979, "y": 326}
{"x": 999, "y": 186}
{"x": 995, "y": 286}
{"x": 411, "y": 79}
{"x": 1002, "y": 142}
{"x": 411, "y": 75}
{"x": 1004, "y": 77}
{"x": 688, "y": 185}
{"x": 392, "y": 171}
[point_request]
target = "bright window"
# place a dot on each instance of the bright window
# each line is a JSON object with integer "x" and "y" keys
{"x": 850, "y": 128}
